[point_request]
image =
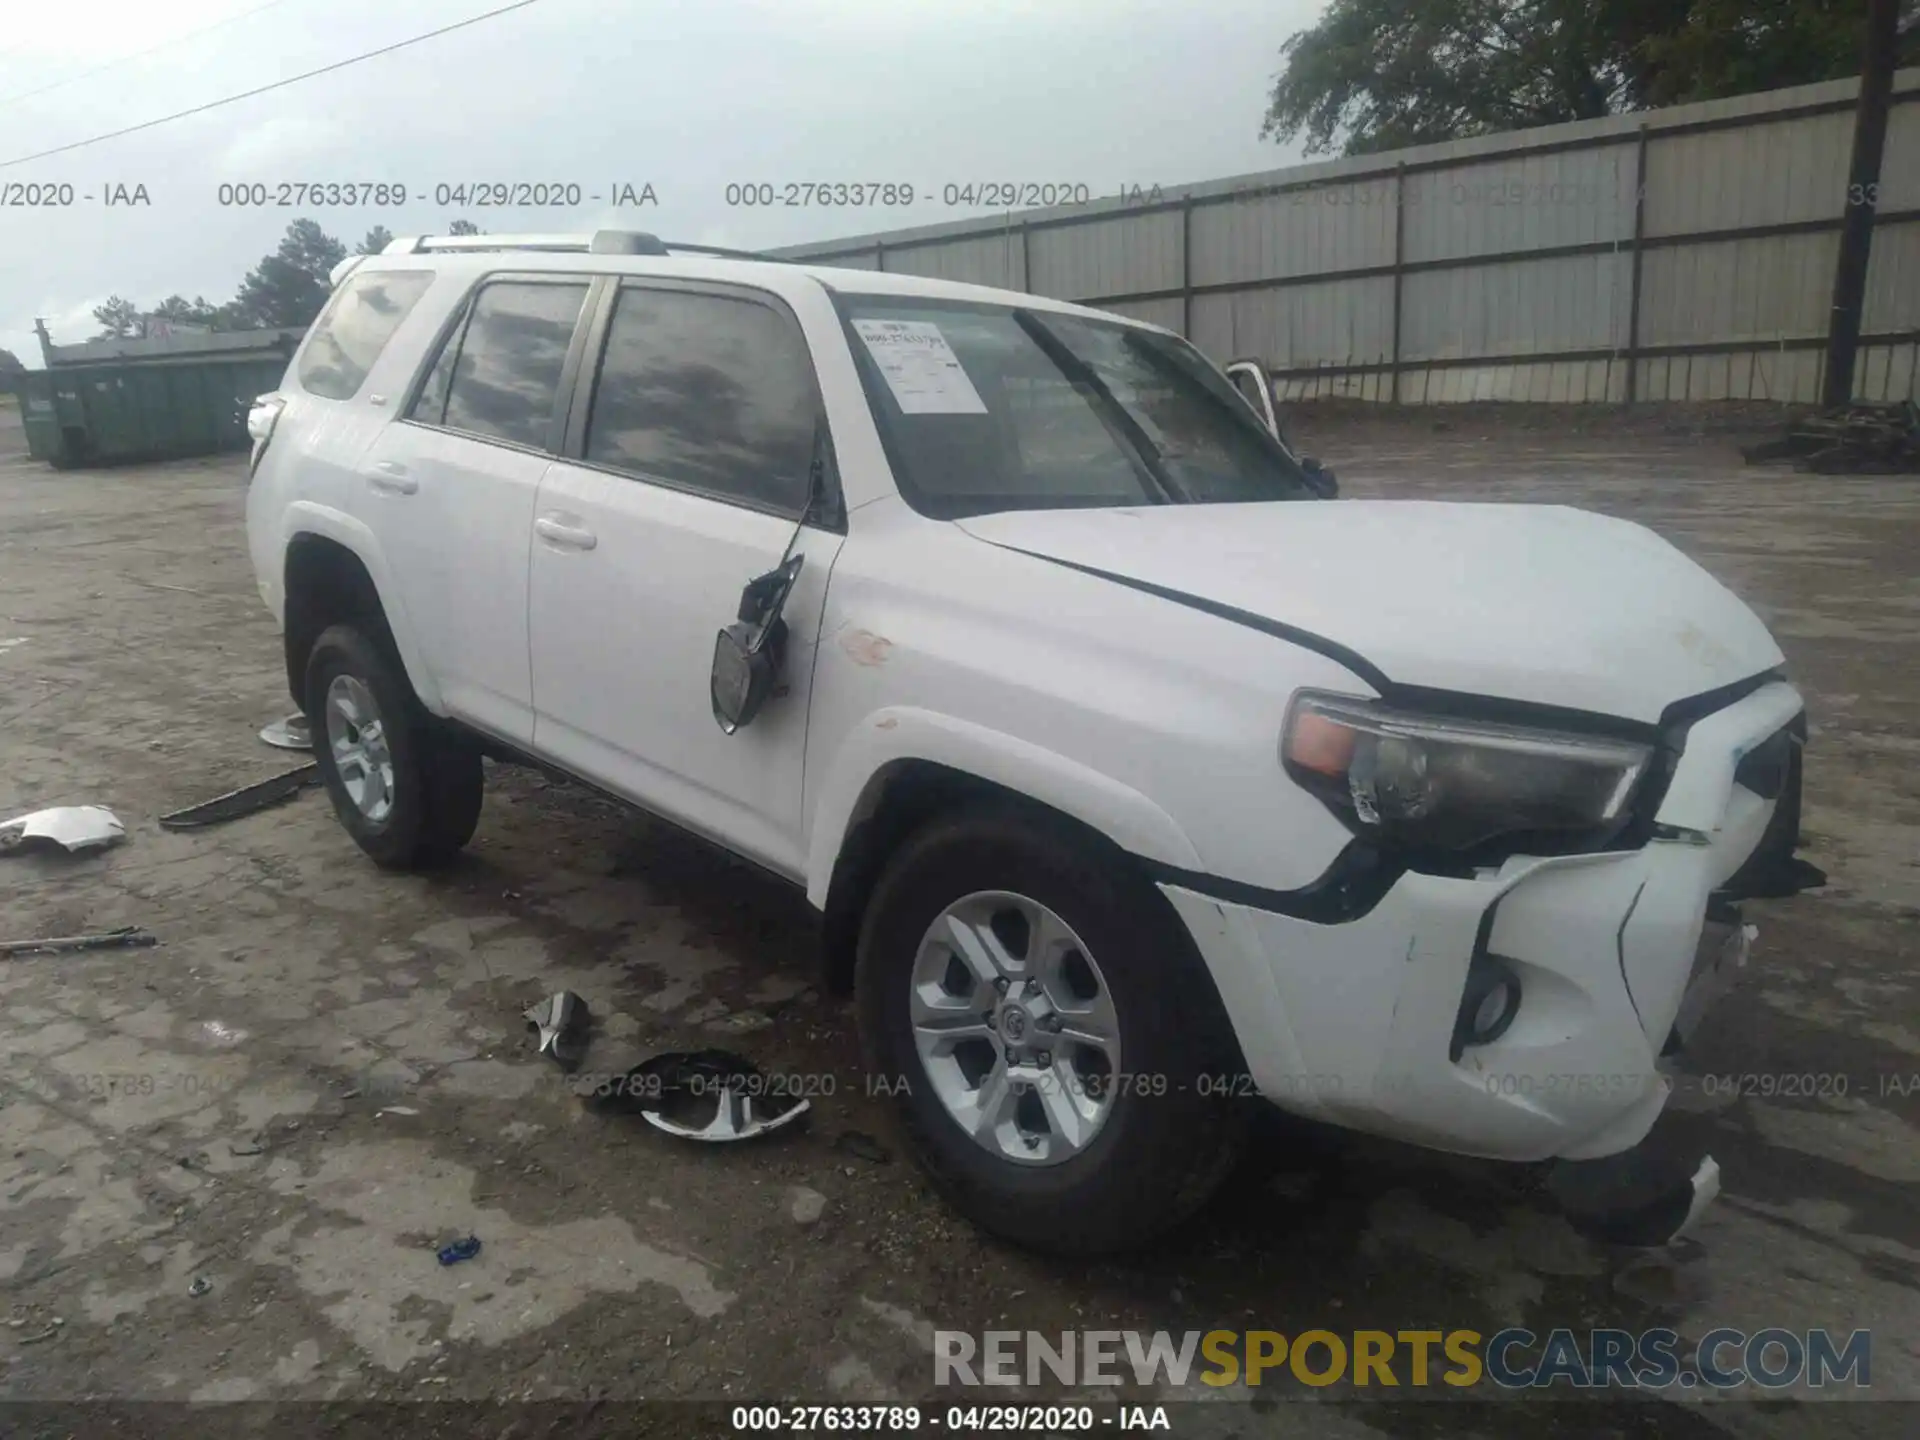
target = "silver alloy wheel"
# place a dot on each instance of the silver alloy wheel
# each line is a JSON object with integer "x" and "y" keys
{"x": 1015, "y": 1027}
{"x": 357, "y": 736}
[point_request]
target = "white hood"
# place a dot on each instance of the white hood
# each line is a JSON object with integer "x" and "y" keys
{"x": 1521, "y": 602}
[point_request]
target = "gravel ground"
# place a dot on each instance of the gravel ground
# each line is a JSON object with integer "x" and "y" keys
{"x": 321, "y": 1071}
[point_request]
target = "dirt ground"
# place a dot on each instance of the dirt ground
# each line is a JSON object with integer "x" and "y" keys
{"x": 321, "y": 1071}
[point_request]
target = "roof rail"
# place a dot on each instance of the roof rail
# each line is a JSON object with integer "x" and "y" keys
{"x": 600, "y": 242}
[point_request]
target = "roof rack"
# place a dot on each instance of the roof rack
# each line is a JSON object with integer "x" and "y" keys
{"x": 600, "y": 242}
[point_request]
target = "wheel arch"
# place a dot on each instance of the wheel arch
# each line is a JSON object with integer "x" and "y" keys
{"x": 906, "y": 766}
{"x": 333, "y": 571}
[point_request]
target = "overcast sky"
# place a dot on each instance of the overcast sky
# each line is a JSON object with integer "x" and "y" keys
{"x": 687, "y": 95}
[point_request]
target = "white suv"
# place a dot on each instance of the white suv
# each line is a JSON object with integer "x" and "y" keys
{"x": 1131, "y": 773}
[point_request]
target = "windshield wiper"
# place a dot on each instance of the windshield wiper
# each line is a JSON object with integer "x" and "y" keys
{"x": 1125, "y": 430}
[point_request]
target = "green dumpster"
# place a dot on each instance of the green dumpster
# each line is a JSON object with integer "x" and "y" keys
{"x": 107, "y": 402}
{"x": 37, "y": 417}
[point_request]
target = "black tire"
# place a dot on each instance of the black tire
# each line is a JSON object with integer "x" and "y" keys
{"x": 1159, "y": 1156}
{"x": 438, "y": 779}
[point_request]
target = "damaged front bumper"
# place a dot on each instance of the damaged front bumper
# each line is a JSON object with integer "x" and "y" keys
{"x": 1607, "y": 960}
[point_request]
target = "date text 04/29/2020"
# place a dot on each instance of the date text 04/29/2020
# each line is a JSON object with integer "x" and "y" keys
{"x": 464, "y": 194}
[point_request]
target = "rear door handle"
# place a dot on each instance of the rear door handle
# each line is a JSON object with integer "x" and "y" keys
{"x": 390, "y": 477}
{"x": 558, "y": 532}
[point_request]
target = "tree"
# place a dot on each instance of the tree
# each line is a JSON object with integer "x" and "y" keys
{"x": 1731, "y": 47}
{"x": 289, "y": 287}
{"x": 1381, "y": 74}
{"x": 119, "y": 319}
{"x": 378, "y": 238}
{"x": 464, "y": 227}
{"x": 10, "y": 363}
{"x": 182, "y": 311}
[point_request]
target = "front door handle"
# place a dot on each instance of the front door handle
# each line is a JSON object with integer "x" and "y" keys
{"x": 558, "y": 532}
{"x": 391, "y": 477}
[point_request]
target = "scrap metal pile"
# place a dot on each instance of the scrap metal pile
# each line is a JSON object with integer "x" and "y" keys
{"x": 1859, "y": 440}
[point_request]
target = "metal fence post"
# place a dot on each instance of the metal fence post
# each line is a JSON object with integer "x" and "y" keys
{"x": 1399, "y": 273}
{"x": 1186, "y": 266}
{"x": 1639, "y": 251}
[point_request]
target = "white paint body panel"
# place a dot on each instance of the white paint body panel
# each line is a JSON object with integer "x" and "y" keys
{"x": 1604, "y": 945}
{"x": 456, "y": 537}
{"x": 971, "y": 646}
{"x": 1523, "y": 602}
{"x": 622, "y": 643}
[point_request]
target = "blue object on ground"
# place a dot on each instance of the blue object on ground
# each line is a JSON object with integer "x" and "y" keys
{"x": 460, "y": 1250}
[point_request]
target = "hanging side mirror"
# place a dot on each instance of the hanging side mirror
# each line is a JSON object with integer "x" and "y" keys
{"x": 1251, "y": 379}
{"x": 748, "y": 653}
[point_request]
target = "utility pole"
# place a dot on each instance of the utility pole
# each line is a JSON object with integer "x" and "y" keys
{"x": 1863, "y": 187}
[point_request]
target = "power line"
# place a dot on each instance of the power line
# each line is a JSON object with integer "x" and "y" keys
{"x": 276, "y": 85}
{"x": 140, "y": 54}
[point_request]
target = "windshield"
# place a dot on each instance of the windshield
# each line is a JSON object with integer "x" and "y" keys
{"x": 988, "y": 407}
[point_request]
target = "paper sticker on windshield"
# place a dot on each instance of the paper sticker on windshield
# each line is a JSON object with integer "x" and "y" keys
{"x": 920, "y": 367}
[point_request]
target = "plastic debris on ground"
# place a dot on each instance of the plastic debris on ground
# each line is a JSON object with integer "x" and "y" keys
{"x": 292, "y": 733}
{"x": 862, "y": 1146}
{"x": 459, "y": 1250}
{"x": 560, "y": 1024}
{"x": 706, "y": 1095}
{"x": 75, "y": 828}
{"x": 245, "y": 801}
{"x": 127, "y": 937}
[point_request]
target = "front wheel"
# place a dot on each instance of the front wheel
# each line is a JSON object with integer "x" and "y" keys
{"x": 1049, "y": 1034}
{"x": 406, "y": 790}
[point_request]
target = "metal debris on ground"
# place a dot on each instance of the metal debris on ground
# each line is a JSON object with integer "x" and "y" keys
{"x": 862, "y": 1146}
{"x": 127, "y": 937}
{"x": 707, "y": 1095}
{"x": 560, "y": 1023}
{"x": 459, "y": 1250}
{"x": 73, "y": 827}
{"x": 1859, "y": 440}
{"x": 292, "y": 733}
{"x": 244, "y": 801}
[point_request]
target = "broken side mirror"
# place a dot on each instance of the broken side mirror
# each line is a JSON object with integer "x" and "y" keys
{"x": 747, "y": 653}
{"x": 1251, "y": 379}
{"x": 1320, "y": 478}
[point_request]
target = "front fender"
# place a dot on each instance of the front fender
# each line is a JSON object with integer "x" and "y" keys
{"x": 309, "y": 517}
{"x": 1125, "y": 816}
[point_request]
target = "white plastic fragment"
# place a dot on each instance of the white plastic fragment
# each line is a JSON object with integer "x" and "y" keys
{"x": 76, "y": 827}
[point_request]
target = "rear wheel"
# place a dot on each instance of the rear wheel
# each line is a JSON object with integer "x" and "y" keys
{"x": 1048, "y": 1032}
{"x": 405, "y": 788}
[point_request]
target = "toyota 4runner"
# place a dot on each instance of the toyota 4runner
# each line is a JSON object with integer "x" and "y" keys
{"x": 1133, "y": 775}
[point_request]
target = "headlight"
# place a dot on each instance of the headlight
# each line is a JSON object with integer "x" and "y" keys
{"x": 1433, "y": 782}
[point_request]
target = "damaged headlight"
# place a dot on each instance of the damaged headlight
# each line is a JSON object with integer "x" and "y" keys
{"x": 1436, "y": 783}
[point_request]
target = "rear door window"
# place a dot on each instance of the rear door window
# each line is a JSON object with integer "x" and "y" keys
{"x": 499, "y": 375}
{"x": 355, "y": 327}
